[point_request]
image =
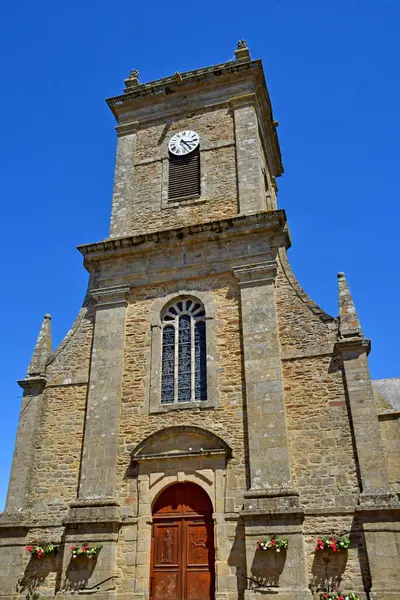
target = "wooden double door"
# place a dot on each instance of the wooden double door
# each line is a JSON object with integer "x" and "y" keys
{"x": 182, "y": 553}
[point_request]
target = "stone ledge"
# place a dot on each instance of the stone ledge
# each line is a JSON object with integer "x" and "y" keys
{"x": 279, "y": 513}
{"x": 273, "y": 501}
{"x": 382, "y": 500}
{"x": 199, "y": 405}
{"x": 34, "y": 384}
{"x": 354, "y": 346}
{"x": 273, "y": 220}
{"x": 271, "y": 493}
{"x": 15, "y": 520}
{"x": 103, "y": 510}
{"x": 84, "y": 502}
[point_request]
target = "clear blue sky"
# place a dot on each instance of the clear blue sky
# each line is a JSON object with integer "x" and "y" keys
{"x": 333, "y": 73}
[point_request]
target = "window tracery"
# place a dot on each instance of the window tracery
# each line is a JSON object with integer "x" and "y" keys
{"x": 183, "y": 364}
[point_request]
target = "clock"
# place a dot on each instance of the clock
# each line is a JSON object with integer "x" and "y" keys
{"x": 183, "y": 143}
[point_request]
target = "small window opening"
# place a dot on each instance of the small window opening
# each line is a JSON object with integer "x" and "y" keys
{"x": 184, "y": 176}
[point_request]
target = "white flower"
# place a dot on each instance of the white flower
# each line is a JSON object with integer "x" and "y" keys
{"x": 278, "y": 549}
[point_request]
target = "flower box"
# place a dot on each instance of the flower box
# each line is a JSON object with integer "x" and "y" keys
{"x": 333, "y": 542}
{"x": 274, "y": 543}
{"x": 39, "y": 550}
{"x": 338, "y": 596}
{"x": 85, "y": 550}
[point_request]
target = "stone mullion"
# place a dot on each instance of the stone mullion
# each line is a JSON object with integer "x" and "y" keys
{"x": 176, "y": 360}
{"x": 99, "y": 461}
{"x": 266, "y": 421}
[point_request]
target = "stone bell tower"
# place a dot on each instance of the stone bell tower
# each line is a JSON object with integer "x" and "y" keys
{"x": 201, "y": 401}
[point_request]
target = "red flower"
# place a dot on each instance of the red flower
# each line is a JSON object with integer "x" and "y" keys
{"x": 272, "y": 542}
{"x": 29, "y": 548}
{"x": 325, "y": 595}
{"x": 340, "y": 597}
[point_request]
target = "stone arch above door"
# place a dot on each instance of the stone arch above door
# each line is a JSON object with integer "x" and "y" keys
{"x": 177, "y": 454}
{"x": 182, "y": 441}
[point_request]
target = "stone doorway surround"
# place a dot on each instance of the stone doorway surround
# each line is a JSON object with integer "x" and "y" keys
{"x": 179, "y": 454}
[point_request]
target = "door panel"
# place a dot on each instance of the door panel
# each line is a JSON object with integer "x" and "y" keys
{"x": 199, "y": 560}
{"x": 197, "y": 544}
{"x": 167, "y": 543}
{"x": 166, "y": 577}
{"x": 198, "y": 585}
{"x": 166, "y": 585}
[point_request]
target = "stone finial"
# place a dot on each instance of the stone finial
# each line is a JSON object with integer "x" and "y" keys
{"x": 242, "y": 52}
{"x": 42, "y": 349}
{"x": 349, "y": 323}
{"x": 132, "y": 80}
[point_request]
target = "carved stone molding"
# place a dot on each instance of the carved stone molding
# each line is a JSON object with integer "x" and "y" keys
{"x": 256, "y": 274}
{"x": 33, "y": 385}
{"x": 113, "y": 295}
{"x": 127, "y": 128}
{"x": 244, "y": 100}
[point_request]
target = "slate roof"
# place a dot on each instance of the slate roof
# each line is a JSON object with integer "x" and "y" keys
{"x": 389, "y": 390}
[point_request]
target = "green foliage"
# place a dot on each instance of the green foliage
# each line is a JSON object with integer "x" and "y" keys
{"x": 333, "y": 542}
{"x": 86, "y": 550}
{"x": 40, "y": 550}
{"x": 274, "y": 542}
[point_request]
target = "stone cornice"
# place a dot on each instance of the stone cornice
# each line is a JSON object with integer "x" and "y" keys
{"x": 244, "y": 100}
{"x": 353, "y": 345}
{"x": 161, "y": 86}
{"x": 273, "y": 221}
{"x": 256, "y": 274}
{"x": 33, "y": 385}
{"x": 127, "y": 128}
{"x": 116, "y": 294}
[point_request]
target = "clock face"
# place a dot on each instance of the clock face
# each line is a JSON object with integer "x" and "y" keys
{"x": 183, "y": 142}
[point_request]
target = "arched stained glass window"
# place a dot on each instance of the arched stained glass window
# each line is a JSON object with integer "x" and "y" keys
{"x": 184, "y": 368}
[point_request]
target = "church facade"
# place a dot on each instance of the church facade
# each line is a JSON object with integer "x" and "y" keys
{"x": 201, "y": 403}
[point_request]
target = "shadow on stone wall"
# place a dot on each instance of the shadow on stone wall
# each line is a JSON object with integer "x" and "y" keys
{"x": 78, "y": 573}
{"x": 37, "y": 572}
{"x": 327, "y": 569}
{"x": 266, "y": 569}
{"x": 237, "y": 559}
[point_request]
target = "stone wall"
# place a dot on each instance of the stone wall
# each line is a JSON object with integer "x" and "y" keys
{"x": 390, "y": 433}
{"x": 58, "y": 441}
{"x": 226, "y": 420}
{"x": 149, "y": 209}
{"x": 58, "y": 448}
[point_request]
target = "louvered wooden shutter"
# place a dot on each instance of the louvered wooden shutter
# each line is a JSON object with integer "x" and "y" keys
{"x": 184, "y": 176}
